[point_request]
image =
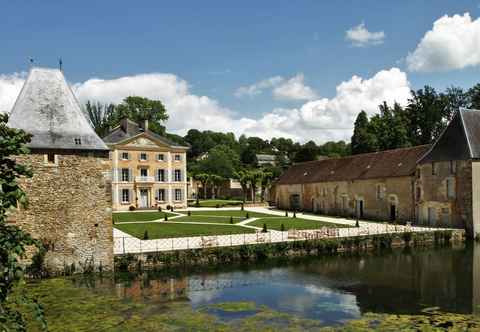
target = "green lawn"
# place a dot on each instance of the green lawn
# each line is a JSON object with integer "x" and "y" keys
{"x": 209, "y": 219}
{"x": 139, "y": 216}
{"x": 214, "y": 202}
{"x": 292, "y": 223}
{"x": 166, "y": 230}
{"x": 227, "y": 213}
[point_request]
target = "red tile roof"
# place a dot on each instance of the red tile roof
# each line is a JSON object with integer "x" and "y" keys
{"x": 390, "y": 163}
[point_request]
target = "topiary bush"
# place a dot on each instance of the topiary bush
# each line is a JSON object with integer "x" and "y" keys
{"x": 145, "y": 235}
{"x": 264, "y": 229}
{"x": 282, "y": 227}
{"x": 189, "y": 213}
{"x": 131, "y": 208}
{"x": 165, "y": 217}
{"x": 231, "y": 219}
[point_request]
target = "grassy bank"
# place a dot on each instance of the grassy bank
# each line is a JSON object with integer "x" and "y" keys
{"x": 139, "y": 216}
{"x": 167, "y": 230}
{"x": 292, "y": 223}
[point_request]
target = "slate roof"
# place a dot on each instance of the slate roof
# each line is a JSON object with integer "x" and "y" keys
{"x": 459, "y": 141}
{"x": 47, "y": 108}
{"x": 384, "y": 164}
{"x": 129, "y": 129}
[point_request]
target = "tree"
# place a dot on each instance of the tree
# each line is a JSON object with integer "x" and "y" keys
{"x": 362, "y": 140}
{"x": 138, "y": 109}
{"x": 254, "y": 178}
{"x": 473, "y": 97}
{"x": 307, "y": 152}
{"x": 203, "y": 178}
{"x": 243, "y": 176}
{"x": 215, "y": 181}
{"x": 13, "y": 241}
{"x": 221, "y": 160}
{"x": 427, "y": 115}
{"x": 266, "y": 180}
{"x": 101, "y": 116}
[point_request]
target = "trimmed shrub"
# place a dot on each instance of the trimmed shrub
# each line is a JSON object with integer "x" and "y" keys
{"x": 264, "y": 230}
{"x": 159, "y": 209}
{"x": 242, "y": 207}
{"x": 231, "y": 219}
{"x": 169, "y": 207}
{"x": 286, "y": 213}
{"x": 217, "y": 206}
{"x": 247, "y": 216}
{"x": 131, "y": 208}
{"x": 282, "y": 227}
{"x": 294, "y": 214}
{"x": 145, "y": 235}
{"x": 165, "y": 217}
{"x": 189, "y": 213}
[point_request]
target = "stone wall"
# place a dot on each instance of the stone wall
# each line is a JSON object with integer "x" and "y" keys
{"x": 342, "y": 197}
{"x": 433, "y": 205}
{"x": 69, "y": 209}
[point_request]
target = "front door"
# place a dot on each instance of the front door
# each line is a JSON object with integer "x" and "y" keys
{"x": 393, "y": 212}
{"x": 360, "y": 209}
{"x": 143, "y": 198}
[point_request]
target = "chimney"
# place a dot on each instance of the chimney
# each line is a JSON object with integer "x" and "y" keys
{"x": 124, "y": 124}
{"x": 144, "y": 125}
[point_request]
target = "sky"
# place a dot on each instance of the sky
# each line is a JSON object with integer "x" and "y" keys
{"x": 296, "y": 69}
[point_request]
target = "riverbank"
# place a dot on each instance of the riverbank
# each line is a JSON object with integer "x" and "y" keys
{"x": 263, "y": 251}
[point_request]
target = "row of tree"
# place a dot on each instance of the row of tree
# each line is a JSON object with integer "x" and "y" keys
{"x": 419, "y": 122}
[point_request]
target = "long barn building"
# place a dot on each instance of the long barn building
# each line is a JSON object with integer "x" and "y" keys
{"x": 437, "y": 185}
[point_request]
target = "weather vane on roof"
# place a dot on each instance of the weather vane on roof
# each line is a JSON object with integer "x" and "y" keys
{"x": 60, "y": 63}
{"x": 30, "y": 60}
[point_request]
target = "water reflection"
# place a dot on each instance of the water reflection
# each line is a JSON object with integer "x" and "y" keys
{"x": 330, "y": 289}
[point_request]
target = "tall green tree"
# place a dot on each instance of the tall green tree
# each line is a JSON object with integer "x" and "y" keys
{"x": 140, "y": 108}
{"x": 221, "y": 161}
{"x": 362, "y": 140}
{"x": 13, "y": 241}
{"x": 243, "y": 176}
{"x": 101, "y": 116}
{"x": 308, "y": 152}
{"x": 265, "y": 182}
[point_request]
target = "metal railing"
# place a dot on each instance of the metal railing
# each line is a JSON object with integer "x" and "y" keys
{"x": 126, "y": 245}
{"x": 144, "y": 179}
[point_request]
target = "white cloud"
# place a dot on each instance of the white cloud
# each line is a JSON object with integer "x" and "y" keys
{"x": 359, "y": 36}
{"x": 257, "y": 88}
{"x": 332, "y": 119}
{"x": 453, "y": 43}
{"x": 319, "y": 120}
{"x": 294, "y": 89}
{"x": 10, "y": 86}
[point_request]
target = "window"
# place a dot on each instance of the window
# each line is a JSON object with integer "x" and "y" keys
{"x": 445, "y": 216}
{"x": 143, "y": 156}
{"x": 125, "y": 156}
{"x": 450, "y": 183}
{"x": 78, "y": 141}
{"x": 161, "y": 175}
{"x": 51, "y": 158}
{"x": 419, "y": 193}
{"x": 453, "y": 167}
{"x": 178, "y": 175}
{"x": 178, "y": 157}
{"x": 125, "y": 174}
{"x": 160, "y": 157}
{"x": 160, "y": 195}
{"x": 143, "y": 171}
{"x": 380, "y": 192}
{"x": 125, "y": 195}
{"x": 434, "y": 168}
{"x": 178, "y": 194}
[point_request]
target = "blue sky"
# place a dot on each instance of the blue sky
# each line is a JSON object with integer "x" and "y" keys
{"x": 218, "y": 46}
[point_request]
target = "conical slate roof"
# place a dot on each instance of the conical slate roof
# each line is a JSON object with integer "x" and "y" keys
{"x": 47, "y": 108}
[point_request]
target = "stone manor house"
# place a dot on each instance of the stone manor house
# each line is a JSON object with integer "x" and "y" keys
{"x": 148, "y": 170}
{"x": 437, "y": 185}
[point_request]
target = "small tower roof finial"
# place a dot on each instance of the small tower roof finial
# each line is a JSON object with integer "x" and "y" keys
{"x": 60, "y": 64}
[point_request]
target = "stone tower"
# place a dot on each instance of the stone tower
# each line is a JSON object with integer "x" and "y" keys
{"x": 70, "y": 192}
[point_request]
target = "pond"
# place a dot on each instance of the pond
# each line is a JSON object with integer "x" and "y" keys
{"x": 304, "y": 294}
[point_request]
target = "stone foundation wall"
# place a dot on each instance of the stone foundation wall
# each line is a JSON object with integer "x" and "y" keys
{"x": 69, "y": 209}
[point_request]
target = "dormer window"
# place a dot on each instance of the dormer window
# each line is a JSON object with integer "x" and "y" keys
{"x": 78, "y": 141}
